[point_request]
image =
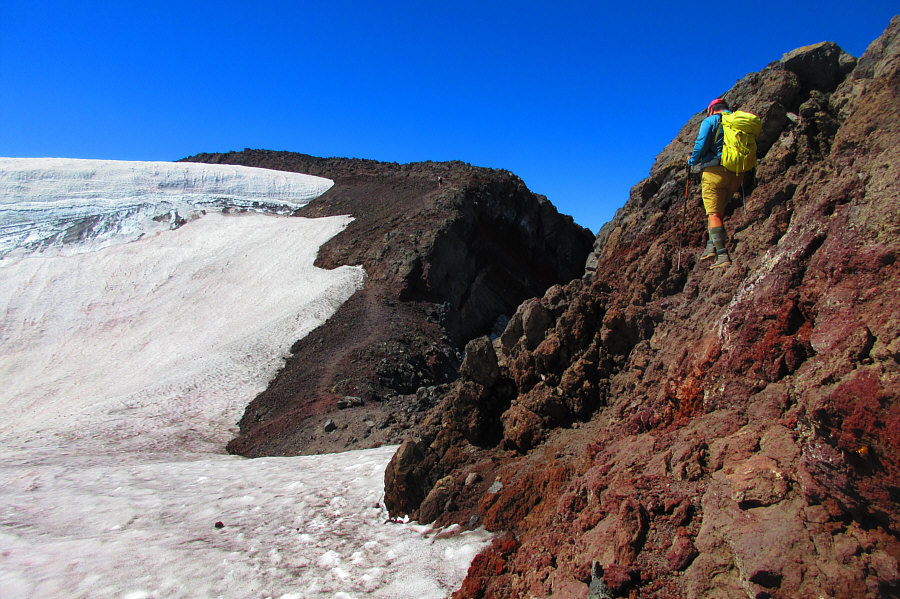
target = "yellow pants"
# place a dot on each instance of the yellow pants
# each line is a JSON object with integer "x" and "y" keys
{"x": 717, "y": 186}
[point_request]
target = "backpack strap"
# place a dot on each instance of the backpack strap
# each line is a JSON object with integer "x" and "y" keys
{"x": 718, "y": 135}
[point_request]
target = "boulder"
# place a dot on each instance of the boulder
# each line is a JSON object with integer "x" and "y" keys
{"x": 480, "y": 362}
{"x": 819, "y": 66}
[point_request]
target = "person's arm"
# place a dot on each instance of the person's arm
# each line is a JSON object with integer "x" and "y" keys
{"x": 703, "y": 139}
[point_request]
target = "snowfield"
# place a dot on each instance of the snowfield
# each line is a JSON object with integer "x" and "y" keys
{"x": 127, "y": 354}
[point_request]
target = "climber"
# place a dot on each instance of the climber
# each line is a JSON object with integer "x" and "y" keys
{"x": 717, "y": 184}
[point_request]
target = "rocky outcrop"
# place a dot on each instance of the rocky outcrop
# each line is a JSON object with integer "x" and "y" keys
{"x": 448, "y": 250}
{"x": 657, "y": 429}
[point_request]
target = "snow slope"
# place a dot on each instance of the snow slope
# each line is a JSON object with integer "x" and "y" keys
{"x": 122, "y": 373}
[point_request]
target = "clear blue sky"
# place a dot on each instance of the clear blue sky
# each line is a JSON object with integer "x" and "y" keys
{"x": 577, "y": 98}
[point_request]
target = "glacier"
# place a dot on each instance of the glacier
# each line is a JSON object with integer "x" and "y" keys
{"x": 55, "y": 202}
{"x": 128, "y": 350}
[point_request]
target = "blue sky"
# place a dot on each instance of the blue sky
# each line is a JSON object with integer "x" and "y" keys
{"x": 577, "y": 98}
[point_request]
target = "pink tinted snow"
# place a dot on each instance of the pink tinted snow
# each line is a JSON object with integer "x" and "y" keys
{"x": 124, "y": 371}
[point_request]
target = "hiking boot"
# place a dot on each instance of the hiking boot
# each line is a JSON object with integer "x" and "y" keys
{"x": 722, "y": 260}
{"x": 709, "y": 252}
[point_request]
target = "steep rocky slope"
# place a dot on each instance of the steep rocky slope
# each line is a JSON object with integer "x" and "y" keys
{"x": 448, "y": 249}
{"x": 657, "y": 429}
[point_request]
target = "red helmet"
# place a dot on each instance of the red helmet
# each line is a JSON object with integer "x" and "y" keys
{"x": 714, "y": 103}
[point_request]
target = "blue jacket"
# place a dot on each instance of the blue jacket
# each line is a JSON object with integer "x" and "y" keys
{"x": 708, "y": 148}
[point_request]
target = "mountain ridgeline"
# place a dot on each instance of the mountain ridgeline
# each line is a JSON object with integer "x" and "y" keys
{"x": 449, "y": 250}
{"x": 658, "y": 429}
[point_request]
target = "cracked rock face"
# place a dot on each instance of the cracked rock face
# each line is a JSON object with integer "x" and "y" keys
{"x": 680, "y": 432}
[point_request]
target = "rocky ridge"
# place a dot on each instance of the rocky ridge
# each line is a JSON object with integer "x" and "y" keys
{"x": 449, "y": 249}
{"x": 657, "y": 429}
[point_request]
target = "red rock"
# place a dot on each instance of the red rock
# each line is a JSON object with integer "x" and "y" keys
{"x": 617, "y": 578}
{"x": 681, "y": 553}
{"x": 757, "y": 408}
{"x": 758, "y": 482}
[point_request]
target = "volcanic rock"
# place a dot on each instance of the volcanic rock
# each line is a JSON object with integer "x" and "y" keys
{"x": 680, "y": 432}
{"x": 480, "y": 362}
{"x": 448, "y": 248}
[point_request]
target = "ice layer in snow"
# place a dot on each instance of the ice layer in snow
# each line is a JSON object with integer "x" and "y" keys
{"x": 122, "y": 373}
{"x": 50, "y": 202}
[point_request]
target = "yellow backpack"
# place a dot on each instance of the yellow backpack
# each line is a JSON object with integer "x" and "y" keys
{"x": 739, "y": 148}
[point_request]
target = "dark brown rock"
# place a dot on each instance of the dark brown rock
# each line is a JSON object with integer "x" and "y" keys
{"x": 438, "y": 500}
{"x": 407, "y": 473}
{"x": 819, "y": 67}
{"x": 443, "y": 262}
{"x": 522, "y": 428}
{"x": 480, "y": 362}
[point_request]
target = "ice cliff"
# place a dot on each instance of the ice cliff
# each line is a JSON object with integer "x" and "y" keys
{"x": 50, "y": 202}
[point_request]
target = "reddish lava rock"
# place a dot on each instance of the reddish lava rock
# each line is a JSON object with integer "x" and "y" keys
{"x": 694, "y": 433}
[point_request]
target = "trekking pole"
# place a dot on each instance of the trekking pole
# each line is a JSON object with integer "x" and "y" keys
{"x": 687, "y": 187}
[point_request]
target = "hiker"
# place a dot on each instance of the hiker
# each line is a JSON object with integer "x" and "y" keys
{"x": 717, "y": 184}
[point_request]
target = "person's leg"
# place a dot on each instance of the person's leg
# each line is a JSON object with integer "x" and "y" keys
{"x": 714, "y": 186}
{"x": 719, "y": 239}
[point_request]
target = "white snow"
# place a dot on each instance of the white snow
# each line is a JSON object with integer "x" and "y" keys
{"x": 122, "y": 373}
{"x": 46, "y": 201}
